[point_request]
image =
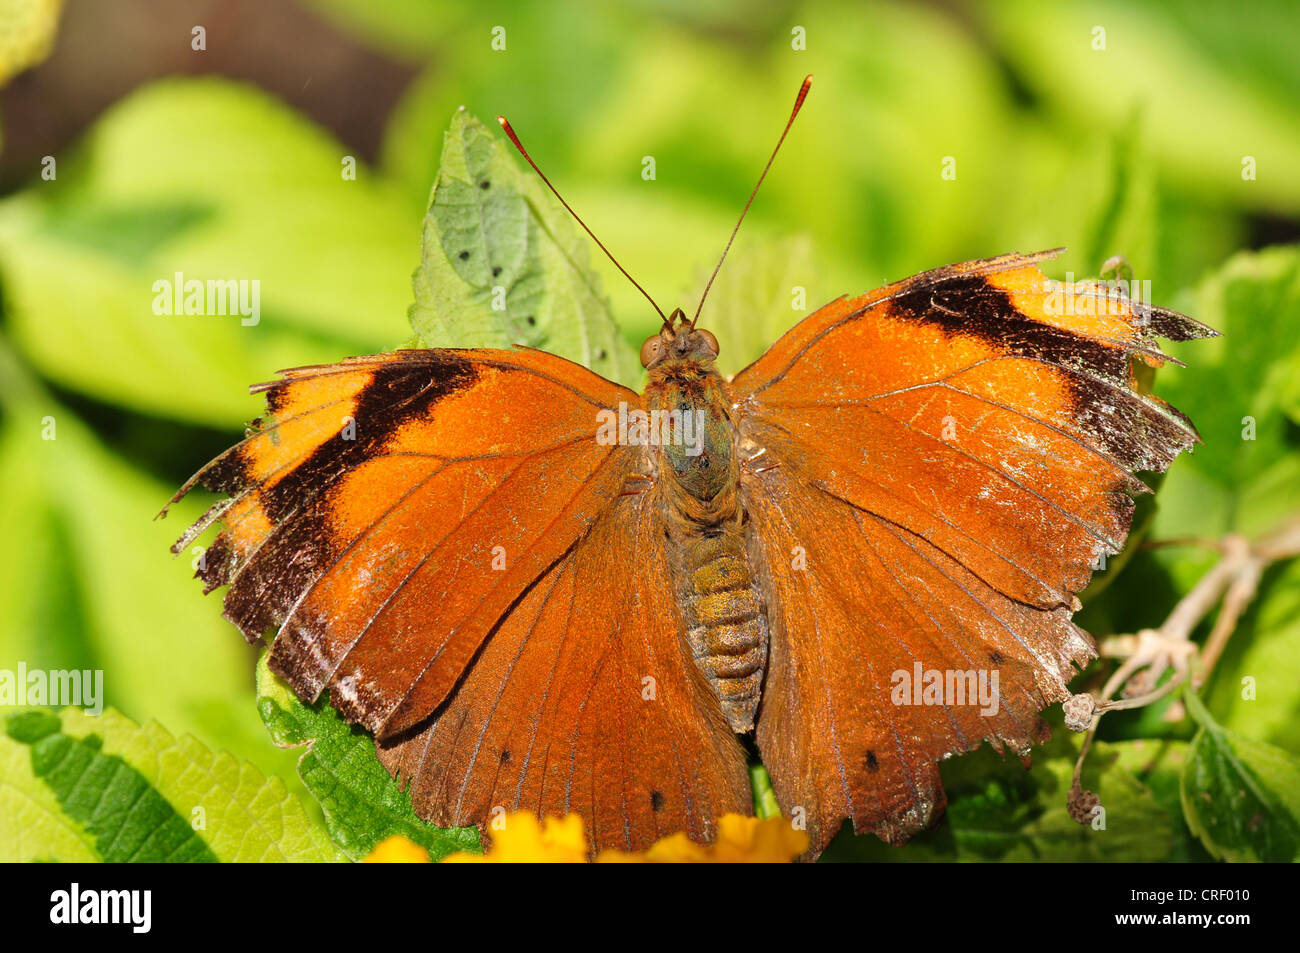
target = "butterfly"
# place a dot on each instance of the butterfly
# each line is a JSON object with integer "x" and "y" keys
{"x": 540, "y": 589}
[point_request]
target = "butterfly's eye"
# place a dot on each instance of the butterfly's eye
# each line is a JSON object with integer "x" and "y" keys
{"x": 651, "y": 350}
{"x": 707, "y": 342}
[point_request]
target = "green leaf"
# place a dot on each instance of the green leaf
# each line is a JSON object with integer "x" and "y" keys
{"x": 1245, "y": 476}
{"x": 90, "y": 584}
{"x": 1254, "y": 300}
{"x": 33, "y": 825}
{"x": 101, "y": 787}
{"x": 362, "y": 803}
{"x": 502, "y": 263}
{"x": 216, "y": 181}
{"x": 1241, "y": 797}
{"x": 1215, "y": 85}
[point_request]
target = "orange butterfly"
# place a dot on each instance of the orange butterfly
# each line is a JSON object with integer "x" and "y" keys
{"x": 539, "y": 589}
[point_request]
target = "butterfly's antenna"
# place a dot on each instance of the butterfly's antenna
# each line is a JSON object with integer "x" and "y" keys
{"x": 798, "y": 103}
{"x": 505, "y": 124}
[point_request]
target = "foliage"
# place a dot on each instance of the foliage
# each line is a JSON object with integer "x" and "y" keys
{"x": 1135, "y": 148}
{"x": 502, "y": 264}
{"x": 83, "y": 787}
{"x": 363, "y": 807}
{"x": 1241, "y": 797}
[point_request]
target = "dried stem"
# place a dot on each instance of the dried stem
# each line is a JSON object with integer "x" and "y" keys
{"x": 1146, "y": 655}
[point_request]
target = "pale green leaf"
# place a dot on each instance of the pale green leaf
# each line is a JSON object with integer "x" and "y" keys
{"x": 127, "y": 792}
{"x": 502, "y": 263}
{"x": 33, "y": 825}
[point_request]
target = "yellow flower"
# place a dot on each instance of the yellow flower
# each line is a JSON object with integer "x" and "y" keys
{"x": 740, "y": 840}
{"x": 522, "y": 839}
{"x": 397, "y": 850}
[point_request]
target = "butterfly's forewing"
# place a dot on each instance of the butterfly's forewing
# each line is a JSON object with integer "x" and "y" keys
{"x": 941, "y": 462}
{"x": 389, "y": 513}
{"x": 387, "y": 510}
{"x": 585, "y": 701}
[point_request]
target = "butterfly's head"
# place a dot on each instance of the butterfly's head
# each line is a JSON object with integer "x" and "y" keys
{"x": 678, "y": 340}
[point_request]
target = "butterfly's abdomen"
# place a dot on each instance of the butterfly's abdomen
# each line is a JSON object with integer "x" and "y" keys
{"x": 726, "y": 630}
{"x": 724, "y": 622}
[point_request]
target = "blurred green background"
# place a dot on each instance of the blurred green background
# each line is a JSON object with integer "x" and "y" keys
{"x": 1169, "y": 133}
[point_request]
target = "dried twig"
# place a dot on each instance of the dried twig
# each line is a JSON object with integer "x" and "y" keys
{"x": 1148, "y": 654}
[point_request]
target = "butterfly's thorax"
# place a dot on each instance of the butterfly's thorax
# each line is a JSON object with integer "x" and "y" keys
{"x": 698, "y": 480}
